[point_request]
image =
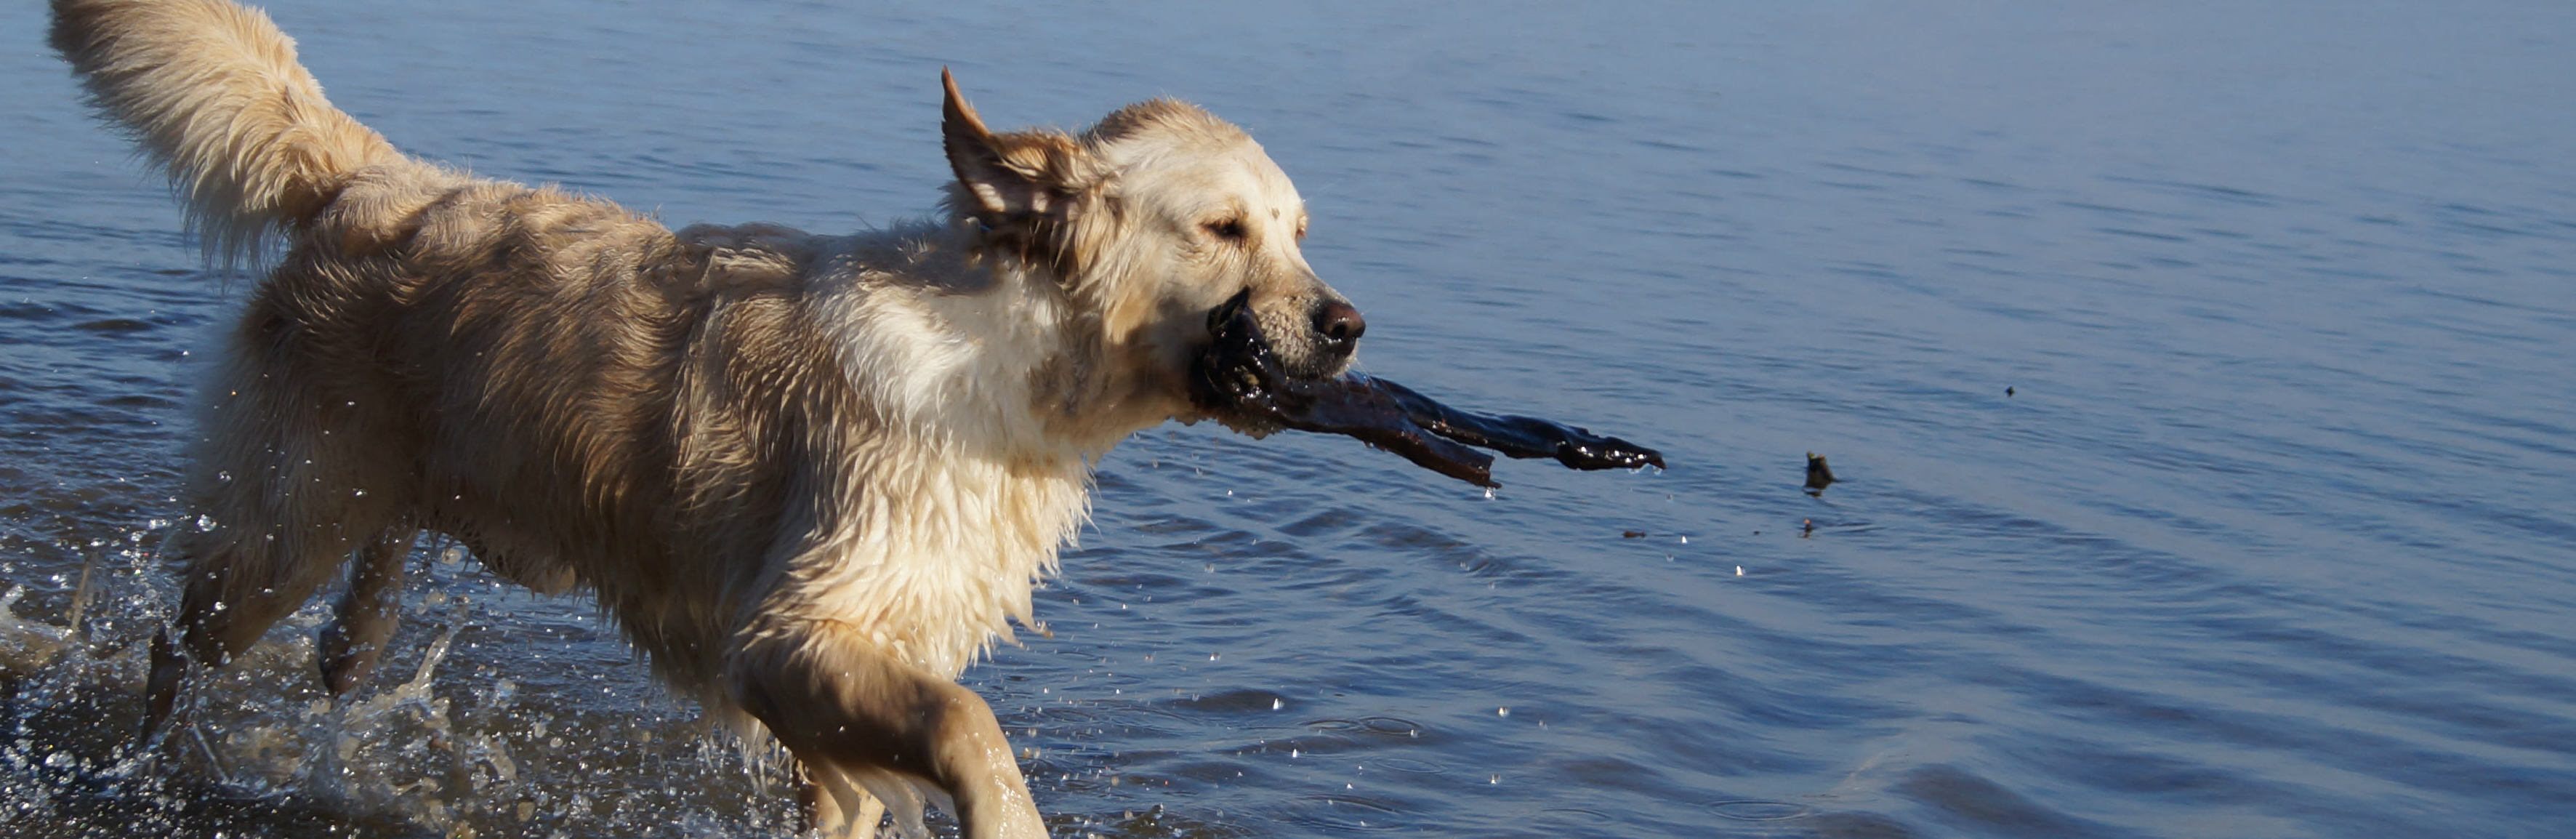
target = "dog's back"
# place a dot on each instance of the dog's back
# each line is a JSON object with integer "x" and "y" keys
{"x": 406, "y": 363}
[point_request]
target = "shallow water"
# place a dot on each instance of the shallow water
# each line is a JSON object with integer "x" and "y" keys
{"x": 2270, "y": 536}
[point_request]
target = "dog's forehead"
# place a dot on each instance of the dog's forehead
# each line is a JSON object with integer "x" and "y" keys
{"x": 1188, "y": 169}
{"x": 1240, "y": 180}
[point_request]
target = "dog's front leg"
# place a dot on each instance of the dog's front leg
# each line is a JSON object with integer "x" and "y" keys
{"x": 825, "y": 795}
{"x": 844, "y": 707}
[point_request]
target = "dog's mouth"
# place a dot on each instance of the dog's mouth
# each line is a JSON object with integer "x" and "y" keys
{"x": 1239, "y": 381}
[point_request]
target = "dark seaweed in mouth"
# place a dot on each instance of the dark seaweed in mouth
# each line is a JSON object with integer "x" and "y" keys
{"x": 1238, "y": 380}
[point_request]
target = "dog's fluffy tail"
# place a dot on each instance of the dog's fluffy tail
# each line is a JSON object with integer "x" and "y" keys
{"x": 213, "y": 93}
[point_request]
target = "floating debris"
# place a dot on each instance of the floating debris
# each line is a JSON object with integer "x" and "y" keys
{"x": 1632, "y": 534}
{"x": 1819, "y": 475}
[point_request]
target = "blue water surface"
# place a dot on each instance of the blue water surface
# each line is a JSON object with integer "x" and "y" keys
{"x": 2198, "y": 375}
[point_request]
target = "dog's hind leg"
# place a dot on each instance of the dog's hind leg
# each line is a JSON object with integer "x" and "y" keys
{"x": 287, "y": 480}
{"x": 161, "y": 689}
{"x": 841, "y": 705}
{"x": 368, "y": 613}
{"x": 234, "y": 590}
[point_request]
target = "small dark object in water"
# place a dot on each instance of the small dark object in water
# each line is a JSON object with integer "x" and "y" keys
{"x": 1819, "y": 475}
{"x": 1807, "y": 528}
{"x": 1632, "y": 534}
{"x": 2008, "y": 391}
{"x": 1238, "y": 380}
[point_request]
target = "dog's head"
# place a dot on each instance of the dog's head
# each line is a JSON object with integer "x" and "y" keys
{"x": 1152, "y": 220}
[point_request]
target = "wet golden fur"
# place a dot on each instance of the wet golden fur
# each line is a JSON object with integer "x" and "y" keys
{"x": 811, "y": 476}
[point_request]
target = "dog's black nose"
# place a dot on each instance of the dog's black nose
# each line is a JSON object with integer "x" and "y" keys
{"x": 1340, "y": 325}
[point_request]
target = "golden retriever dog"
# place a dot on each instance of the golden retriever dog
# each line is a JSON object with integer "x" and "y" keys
{"x": 812, "y": 477}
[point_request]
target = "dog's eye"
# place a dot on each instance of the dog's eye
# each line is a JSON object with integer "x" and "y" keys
{"x": 1228, "y": 229}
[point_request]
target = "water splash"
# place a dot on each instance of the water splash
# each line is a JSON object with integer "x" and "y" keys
{"x": 456, "y": 748}
{"x": 26, "y": 646}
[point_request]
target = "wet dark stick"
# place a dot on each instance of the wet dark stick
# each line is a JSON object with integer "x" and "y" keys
{"x": 1239, "y": 377}
{"x": 1239, "y": 381}
{"x": 1523, "y": 437}
{"x": 1358, "y": 410}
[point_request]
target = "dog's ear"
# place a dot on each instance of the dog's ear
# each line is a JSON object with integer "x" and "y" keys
{"x": 1006, "y": 177}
